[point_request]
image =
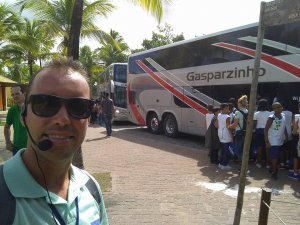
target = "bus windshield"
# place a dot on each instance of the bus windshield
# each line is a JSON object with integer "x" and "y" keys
{"x": 120, "y": 74}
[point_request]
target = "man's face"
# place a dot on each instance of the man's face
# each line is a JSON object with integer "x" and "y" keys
{"x": 66, "y": 132}
{"x": 225, "y": 110}
{"x": 277, "y": 108}
{"x": 17, "y": 95}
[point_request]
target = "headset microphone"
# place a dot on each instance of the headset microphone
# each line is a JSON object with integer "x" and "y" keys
{"x": 43, "y": 145}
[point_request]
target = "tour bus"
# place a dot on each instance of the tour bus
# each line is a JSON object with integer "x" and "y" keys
{"x": 169, "y": 87}
{"x": 113, "y": 80}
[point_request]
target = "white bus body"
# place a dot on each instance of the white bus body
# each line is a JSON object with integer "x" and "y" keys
{"x": 170, "y": 87}
{"x": 114, "y": 81}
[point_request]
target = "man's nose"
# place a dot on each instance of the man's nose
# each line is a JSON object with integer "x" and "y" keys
{"x": 62, "y": 117}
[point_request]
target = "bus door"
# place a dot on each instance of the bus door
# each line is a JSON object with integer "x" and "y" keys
{"x": 192, "y": 121}
{"x": 269, "y": 91}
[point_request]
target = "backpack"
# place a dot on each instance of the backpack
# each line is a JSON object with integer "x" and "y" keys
{"x": 240, "y": 134}
{"x": 8, "y": 201}
{"x": 245, "y": 116}
{"x": 212, "y": 140}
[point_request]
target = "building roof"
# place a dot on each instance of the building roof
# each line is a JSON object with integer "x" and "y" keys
{"x": 6, "y": 80}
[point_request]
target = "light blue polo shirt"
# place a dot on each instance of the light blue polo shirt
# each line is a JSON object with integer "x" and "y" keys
{"x": 239, "y": 115}
{"x": 32, "y": 200}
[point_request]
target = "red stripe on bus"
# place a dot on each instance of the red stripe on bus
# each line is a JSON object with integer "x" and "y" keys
{"x": 292, "y": 69}
{"x": 135, "y": 111}
{"x": 168, "y": 87}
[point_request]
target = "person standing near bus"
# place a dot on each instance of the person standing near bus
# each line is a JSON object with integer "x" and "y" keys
{"x": 294, "y": 174}
{"x": 209, "y": 115}
{"x": 108, "y": 112}
{"x": 239, "y": 126}
{"x": 259, "y": 124}
{"x": 286, "y": 148}
{"x": 13, "y": 118}
{"x": 275, "y": 135}
{"x": 225, "y": 136}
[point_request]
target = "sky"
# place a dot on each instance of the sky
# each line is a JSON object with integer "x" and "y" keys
{"x": 190, "y": 17}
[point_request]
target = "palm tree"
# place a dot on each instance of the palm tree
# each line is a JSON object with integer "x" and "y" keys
{"x": 58, "y": 15}
{"x": 113, "y": 51}
{"x": 9, "y": 19}
{"x": 29, "y": 42}
{"x": 76, "y": 23}
{"x": 153, "y": 6}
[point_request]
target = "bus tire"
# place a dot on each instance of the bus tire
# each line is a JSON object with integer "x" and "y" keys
{"x": 170, "y": 126}
{"x": 153, "y": 124}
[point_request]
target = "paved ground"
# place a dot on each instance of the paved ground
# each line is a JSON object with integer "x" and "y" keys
{"x": 158, "y": 180}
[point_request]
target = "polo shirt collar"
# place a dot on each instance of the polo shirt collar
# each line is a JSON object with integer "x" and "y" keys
{"x": 21, "y": 184}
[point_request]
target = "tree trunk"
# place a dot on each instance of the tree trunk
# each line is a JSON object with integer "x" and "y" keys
{"x": 74, "y": 35}
{"x": 73, "y": 51}
{"x": 30, "y": 68}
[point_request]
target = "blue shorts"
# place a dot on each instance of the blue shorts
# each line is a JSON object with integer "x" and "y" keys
{"x": 274, "y": 152}
{"x": 259, "y": 137}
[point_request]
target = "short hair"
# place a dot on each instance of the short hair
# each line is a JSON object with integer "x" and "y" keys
{"x": 17, "y": 85}
{"x": 210, "y": 107}
{"x": 242, "y": 100}
{"x": 64, "y": 63}
{"x": 223, "y": 106}
{"x": 215, "y": 109}
{"x": 262, "y": 105}
{"x": 276, "y": 103}
{"x": 232, "y": 100}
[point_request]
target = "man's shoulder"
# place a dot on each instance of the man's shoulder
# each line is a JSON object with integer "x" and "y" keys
{"x": 90, "y": 182}
{"x": 13, "y": 110}
{"x": 238, "y": 114}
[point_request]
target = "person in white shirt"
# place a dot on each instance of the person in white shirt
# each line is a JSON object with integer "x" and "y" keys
{"x": 286, "y": 148}
{"x": 275, "y": 135}
{"x": 225, "y": 136}
{"x": 209, "y": 115}
{"x": 294, "y": 174}
{"x": 259, "y": 124}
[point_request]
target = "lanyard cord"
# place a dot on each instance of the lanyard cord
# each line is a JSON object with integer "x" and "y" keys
{"x": 55, "y": 213}
{"x": 37, "y": 160}
{"x": 59, "y": 217}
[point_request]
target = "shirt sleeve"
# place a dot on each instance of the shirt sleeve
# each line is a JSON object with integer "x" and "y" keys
{"x": 9, "y": 117}
{"x": 255, "y": 116}
{"x": 103, "y": 214}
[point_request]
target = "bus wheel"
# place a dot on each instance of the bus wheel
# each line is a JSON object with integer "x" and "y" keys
{"x": 170, "y": 126}
{"x": 153, "y": 124}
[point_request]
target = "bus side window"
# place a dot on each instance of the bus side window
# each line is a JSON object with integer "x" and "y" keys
{"x": 131, "y": 97}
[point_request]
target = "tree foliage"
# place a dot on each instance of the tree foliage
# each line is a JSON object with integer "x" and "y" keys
{"x": 58, "y": 15}
{"x": 164, "y": 36}
{"x": 27, "y": 43}
{"x": 24, "y": 42}
{"x": 115, "y": 50}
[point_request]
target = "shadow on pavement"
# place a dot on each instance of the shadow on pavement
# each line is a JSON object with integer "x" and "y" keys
{"x": 193, "y": 147}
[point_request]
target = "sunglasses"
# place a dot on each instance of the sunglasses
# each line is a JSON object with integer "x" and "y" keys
{"x": 48, "y": 105}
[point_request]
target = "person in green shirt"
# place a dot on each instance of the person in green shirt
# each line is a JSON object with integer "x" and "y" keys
{"x": 13, "y": 119}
